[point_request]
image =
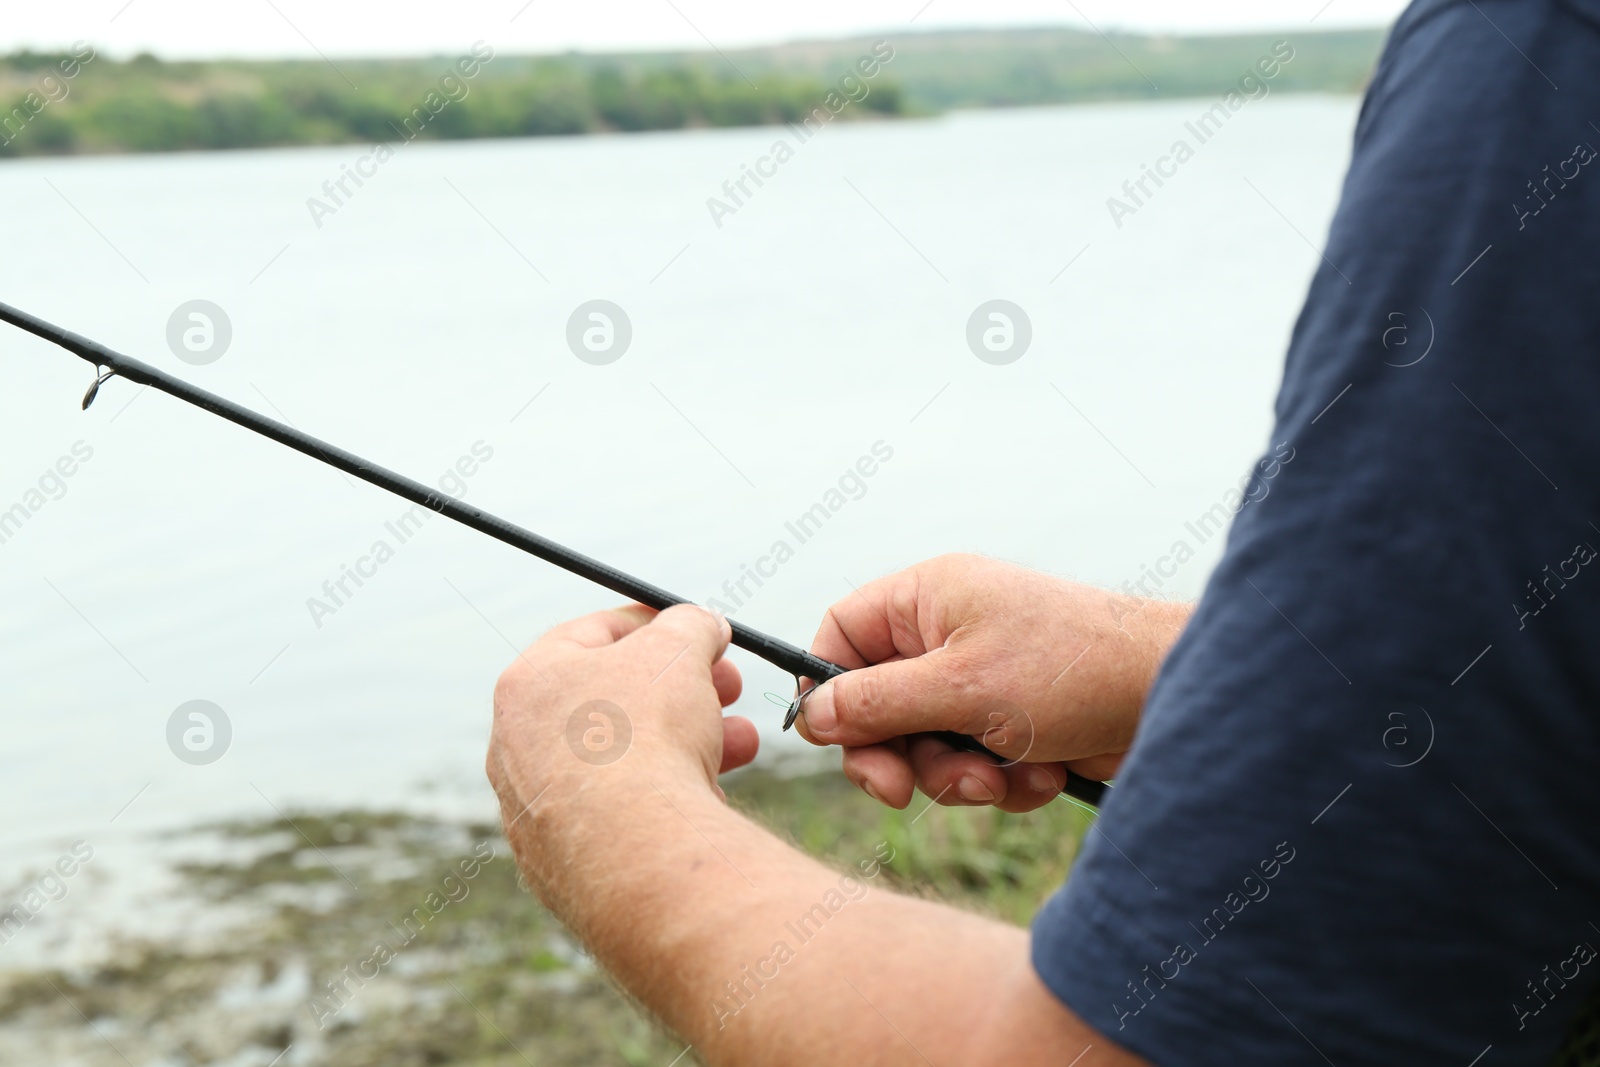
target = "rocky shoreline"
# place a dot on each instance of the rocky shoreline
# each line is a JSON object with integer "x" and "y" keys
{"x": 385, "y": 939}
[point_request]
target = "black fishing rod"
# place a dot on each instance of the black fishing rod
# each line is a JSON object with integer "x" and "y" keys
{"x": 798, "y": 662}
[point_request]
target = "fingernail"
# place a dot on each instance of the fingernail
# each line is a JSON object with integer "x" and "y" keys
{"x": 974, "y": 790}
{"x": 821, "y": 716}
{"x": 866, "y": 787}
{"x": 722, "y": 623}
{"x": 1042, "y": 781}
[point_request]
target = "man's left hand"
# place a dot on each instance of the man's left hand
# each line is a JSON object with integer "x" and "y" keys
{"x": 608, "y": 700}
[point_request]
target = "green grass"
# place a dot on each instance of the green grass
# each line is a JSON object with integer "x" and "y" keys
{"x": 979, "y": 858}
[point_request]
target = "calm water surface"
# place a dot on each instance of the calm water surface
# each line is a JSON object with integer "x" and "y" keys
{"x": 425, "y": 321}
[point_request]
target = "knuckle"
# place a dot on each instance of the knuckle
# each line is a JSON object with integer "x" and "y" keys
{"x": 1003, "y": 726}
{"x": 860, "y": 701}
{"x": 675, "y": 612}
{"x": 511, "y": 687}
{"x": 690, "y": 619}
{"x": 954, "y": 561}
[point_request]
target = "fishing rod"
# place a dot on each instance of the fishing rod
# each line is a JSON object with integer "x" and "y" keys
{"x": 110, "y": 364}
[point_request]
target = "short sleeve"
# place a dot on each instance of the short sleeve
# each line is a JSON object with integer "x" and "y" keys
{"x": 1361, "y": 820}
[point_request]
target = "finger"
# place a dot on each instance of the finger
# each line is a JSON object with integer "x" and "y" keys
{"x": 729, "y": 683}
{"x": 873, "y": 623}
{"x": 965, "y": 777}
{"x": 882, "y": 772}
{"x": 600, "y": 628}
{"x": 1030, "y": 786}
{"x": 1099, "y": 768}
{"x": 955, "y": 778}
{"x": 739, "y": 742}
{"x": 800, "y": 725}
{"x": 806, "y": 682}
{"x": 909, "y": 696}
{"x": 684, "y": 632}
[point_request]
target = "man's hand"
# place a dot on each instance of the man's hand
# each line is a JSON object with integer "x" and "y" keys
{"x": 705, "y": 917}
{"x": 1048, "y": 673}
{"x": 628, "y": 682}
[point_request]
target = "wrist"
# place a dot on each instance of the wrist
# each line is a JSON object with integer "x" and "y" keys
{"x": 1154, "y": 628}
{"x": 581, "y": 807}
{"x": 1095, "y": 703}
{"x": 1159, "y": 624}
{"x": 599, "y": 847}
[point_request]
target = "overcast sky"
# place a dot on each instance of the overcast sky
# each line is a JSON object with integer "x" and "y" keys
{"x": 209, "y": 28}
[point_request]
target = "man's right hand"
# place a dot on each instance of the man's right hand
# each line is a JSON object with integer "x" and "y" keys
{"x": 1048, "y": 673}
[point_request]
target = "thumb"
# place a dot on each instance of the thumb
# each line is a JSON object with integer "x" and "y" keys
{"x": 873, "y": 704}
{"x": 684, "y": 631}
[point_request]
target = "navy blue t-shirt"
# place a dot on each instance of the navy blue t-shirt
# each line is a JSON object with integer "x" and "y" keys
{"x": 1361, "y": 821}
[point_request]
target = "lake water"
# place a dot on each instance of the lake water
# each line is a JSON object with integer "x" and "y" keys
{"x": 428, "y": 314}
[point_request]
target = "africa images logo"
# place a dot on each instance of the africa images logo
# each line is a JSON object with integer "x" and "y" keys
{"x": 1252, "y": 85}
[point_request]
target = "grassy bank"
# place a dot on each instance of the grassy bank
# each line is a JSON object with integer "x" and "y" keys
{"x": 145, "y": 105}
{"x": 491, "y": 979}
{"x": 84, "y": 102}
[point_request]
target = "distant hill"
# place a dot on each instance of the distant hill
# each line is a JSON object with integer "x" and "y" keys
{"x": 60, "y": 104}
{"x": 941, "y": 70}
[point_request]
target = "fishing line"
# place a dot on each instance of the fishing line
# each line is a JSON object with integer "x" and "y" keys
{"x": 110, "y": 364}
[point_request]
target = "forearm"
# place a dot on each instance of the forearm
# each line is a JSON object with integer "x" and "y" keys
{"x": 758, "y": 954}
{"x": 752, "y": 951}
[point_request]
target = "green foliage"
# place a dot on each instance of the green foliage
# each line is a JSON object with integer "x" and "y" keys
{"x": 146, "y": 104}
{"x": 1007, "y": 68}
{"x": 44, "y": 132}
